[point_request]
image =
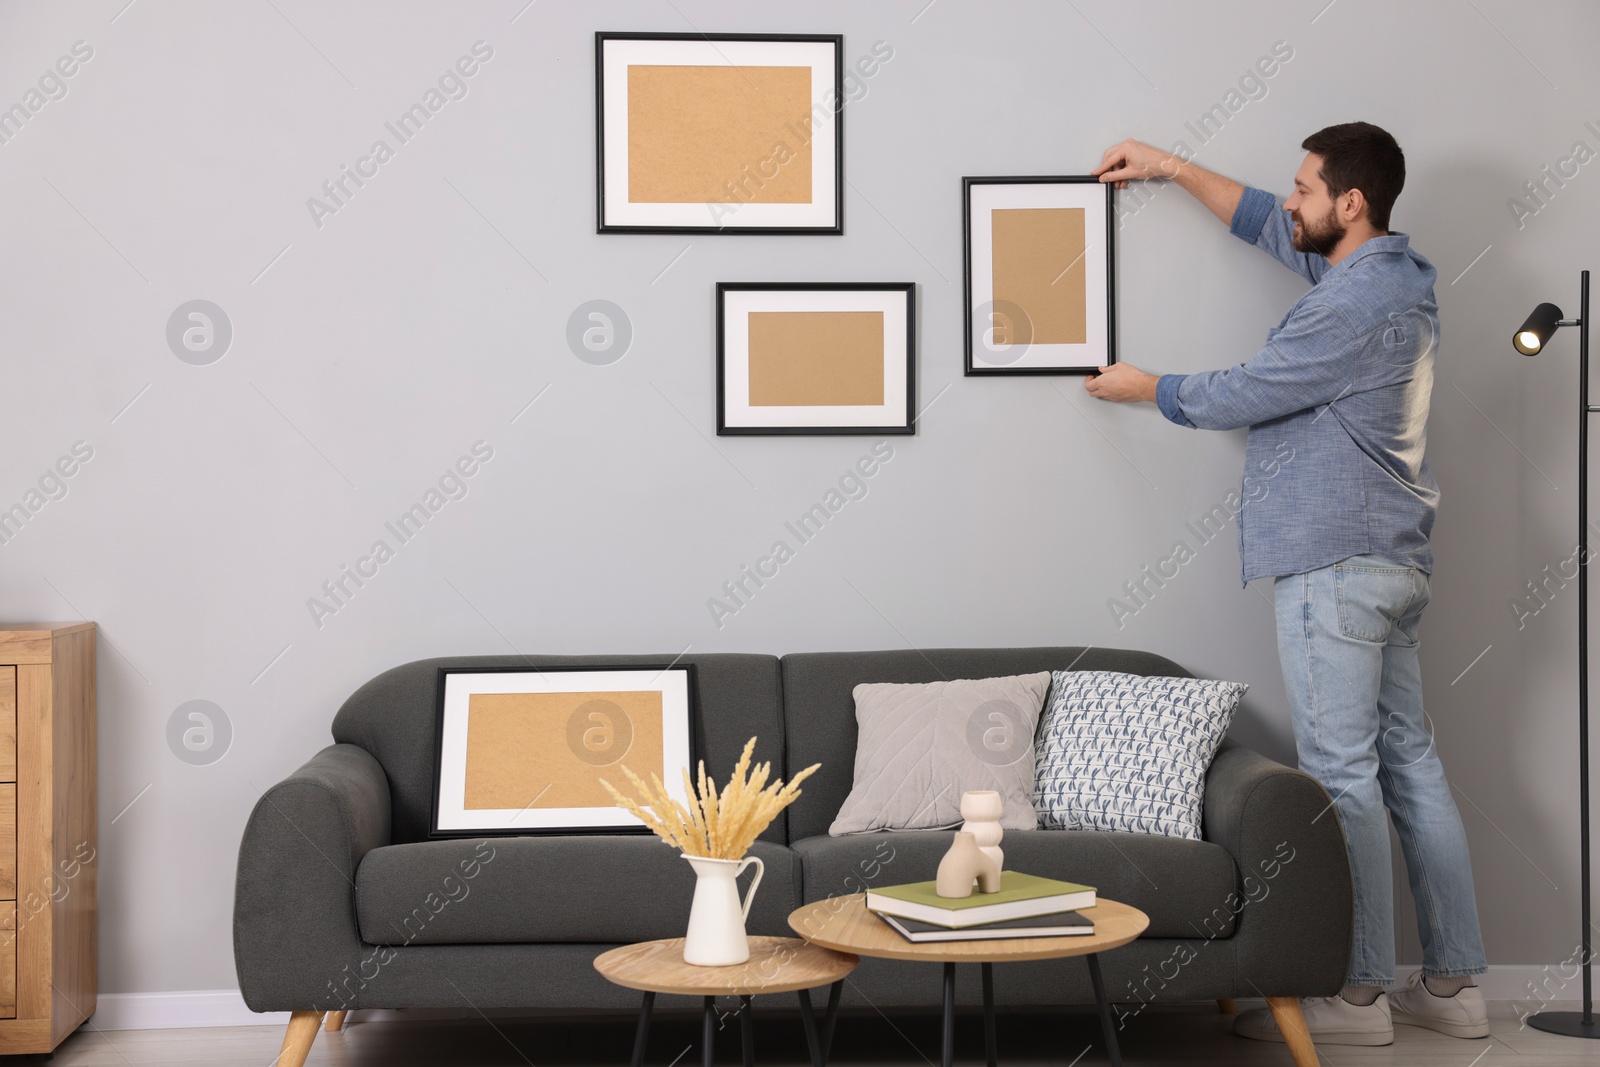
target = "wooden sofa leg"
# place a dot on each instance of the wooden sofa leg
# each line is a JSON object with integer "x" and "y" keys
{"x": 335, "y": 1021}
{"x": 1292, "y": 1024}
{"x": 1227, "y": 1007}
{"x": 303, "y": 1027}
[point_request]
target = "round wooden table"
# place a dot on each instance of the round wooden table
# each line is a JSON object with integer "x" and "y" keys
{"x": 776, "y": 965}
{"x": 845, "y": 925}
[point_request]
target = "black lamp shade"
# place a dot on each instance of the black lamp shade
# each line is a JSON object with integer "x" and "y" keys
{"x": 1533, "y": 334}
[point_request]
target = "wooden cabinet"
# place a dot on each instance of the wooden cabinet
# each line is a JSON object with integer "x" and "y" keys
{"x": 48, "y": 845}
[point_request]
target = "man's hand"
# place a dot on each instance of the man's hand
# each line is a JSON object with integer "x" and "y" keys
{"x": 1122, "y": 381}
{"x": 1135, "y": 160}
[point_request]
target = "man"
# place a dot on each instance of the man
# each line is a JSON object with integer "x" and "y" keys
{"x": 1343, "y": 382}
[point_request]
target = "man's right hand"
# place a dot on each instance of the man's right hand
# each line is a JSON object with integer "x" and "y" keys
{"x": 1135, "y": 160}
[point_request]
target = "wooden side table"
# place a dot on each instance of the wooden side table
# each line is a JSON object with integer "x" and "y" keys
{"x": 845, "y": 925}
{"x": 776, "y": 965}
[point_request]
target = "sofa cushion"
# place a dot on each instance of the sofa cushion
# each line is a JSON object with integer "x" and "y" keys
{"x": 395, "y": 717}
{"x": 594, "y": 888}
{"x": 921, "y": 747}
{"x": 1130, "y": 752}
{"x": 1188, "y": 888}
{"x": 819, "y": 712}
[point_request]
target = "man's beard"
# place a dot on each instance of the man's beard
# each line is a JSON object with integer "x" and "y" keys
{"x": 1320, "y": 238}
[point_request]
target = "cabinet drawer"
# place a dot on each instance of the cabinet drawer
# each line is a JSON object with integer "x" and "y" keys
{"x": 8, "y": 959}
{"x": 8, "y": 724}
{"x": 8, "y": 842}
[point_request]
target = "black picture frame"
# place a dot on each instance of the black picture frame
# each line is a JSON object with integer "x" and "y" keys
{"x": 693, "y": 743}
{"x": 910, "y": 427}
{"x": 967, "y": 184}
{"x": 835, "y": 39}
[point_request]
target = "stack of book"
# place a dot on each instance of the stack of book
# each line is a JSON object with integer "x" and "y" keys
{"x": 1026, "y": 906}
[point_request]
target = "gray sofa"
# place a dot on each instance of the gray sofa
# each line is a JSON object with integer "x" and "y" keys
{"x": 342, "y": 902}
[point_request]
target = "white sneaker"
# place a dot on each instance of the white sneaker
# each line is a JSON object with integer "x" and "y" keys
{"x": 1462, "y": 1015}
{"x": 1331, "y": 1020}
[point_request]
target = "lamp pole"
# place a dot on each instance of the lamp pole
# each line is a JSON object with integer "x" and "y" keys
{"x": 1584, "y": 409}
{"x": 1571, "y": 1023}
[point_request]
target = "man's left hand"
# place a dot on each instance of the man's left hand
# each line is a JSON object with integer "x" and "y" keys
{"x": 1122, "y": 381}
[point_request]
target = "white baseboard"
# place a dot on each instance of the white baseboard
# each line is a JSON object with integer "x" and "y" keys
{"x": 178, "y": 1010}
{"x": 1529, "y": 987}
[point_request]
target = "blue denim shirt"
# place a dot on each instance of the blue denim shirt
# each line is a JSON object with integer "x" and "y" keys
{"x": 1337, "y": 405}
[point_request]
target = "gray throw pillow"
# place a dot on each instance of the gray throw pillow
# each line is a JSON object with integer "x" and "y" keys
{"x": 1129, "y": 751}
{"x": 920, "y": 746}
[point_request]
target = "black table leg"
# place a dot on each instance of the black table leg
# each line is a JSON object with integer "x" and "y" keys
{"x": 642, "y": 1035}
{"x": 949, "y": 1057}
{"x": 831, "y": 1018}
{"x": 1105, "y": 1011}
{"x": 708, "y": 1032}
{"x": 747, "y": 1035}
{"x": 988, "y": 1012}
{"x": 809, "y": 1021}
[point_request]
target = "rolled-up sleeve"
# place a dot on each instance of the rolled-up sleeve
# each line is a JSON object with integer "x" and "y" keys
{"x": 1311, "y": 360}
{"x": 1255, "y": 207}
{"x": 1167, "y": 398}
{"x": 1260, "y": 220}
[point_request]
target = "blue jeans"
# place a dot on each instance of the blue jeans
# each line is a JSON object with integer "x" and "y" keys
{"x": 1347, "y": 639}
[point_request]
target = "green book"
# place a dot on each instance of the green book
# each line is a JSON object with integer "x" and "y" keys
{"x": 1021, "y": 896}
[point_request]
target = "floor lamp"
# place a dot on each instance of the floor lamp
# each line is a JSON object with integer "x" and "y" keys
{"x": 1529, "y": 340}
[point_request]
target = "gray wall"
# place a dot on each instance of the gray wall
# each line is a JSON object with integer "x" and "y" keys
{"x": 372, "y": 351}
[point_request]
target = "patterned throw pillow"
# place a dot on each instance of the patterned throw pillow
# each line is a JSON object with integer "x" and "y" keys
{"x": 1129, "y": 751}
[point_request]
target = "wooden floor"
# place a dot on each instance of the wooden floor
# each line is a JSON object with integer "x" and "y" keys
{"x": 1182, "y": 1035}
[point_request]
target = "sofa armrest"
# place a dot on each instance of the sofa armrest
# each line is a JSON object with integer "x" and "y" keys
{"x": 1294, "y": 905}
{"x": 296, "y": 944}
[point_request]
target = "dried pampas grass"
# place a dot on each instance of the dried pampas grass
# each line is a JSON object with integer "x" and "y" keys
{"x": 719, "y": 826}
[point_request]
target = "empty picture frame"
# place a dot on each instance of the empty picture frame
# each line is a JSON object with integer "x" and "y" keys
{"x": 815, "y": 358}
{"x": 522, "y": 750}
{"x": 1038, "y": 268}
{"x": 719, "y": 133}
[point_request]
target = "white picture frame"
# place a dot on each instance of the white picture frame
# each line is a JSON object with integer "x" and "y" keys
{"x": 599, "y": 734}
{"x": 817, "y": 128}
{"x": 738, "y": 409}
{"x": 1000, "y": 336}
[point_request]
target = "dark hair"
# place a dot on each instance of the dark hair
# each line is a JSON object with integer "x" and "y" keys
{"x": 1359, "y": 155}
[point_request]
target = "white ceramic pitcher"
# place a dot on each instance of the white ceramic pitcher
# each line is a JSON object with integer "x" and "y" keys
{"x": 716, "y": 935}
